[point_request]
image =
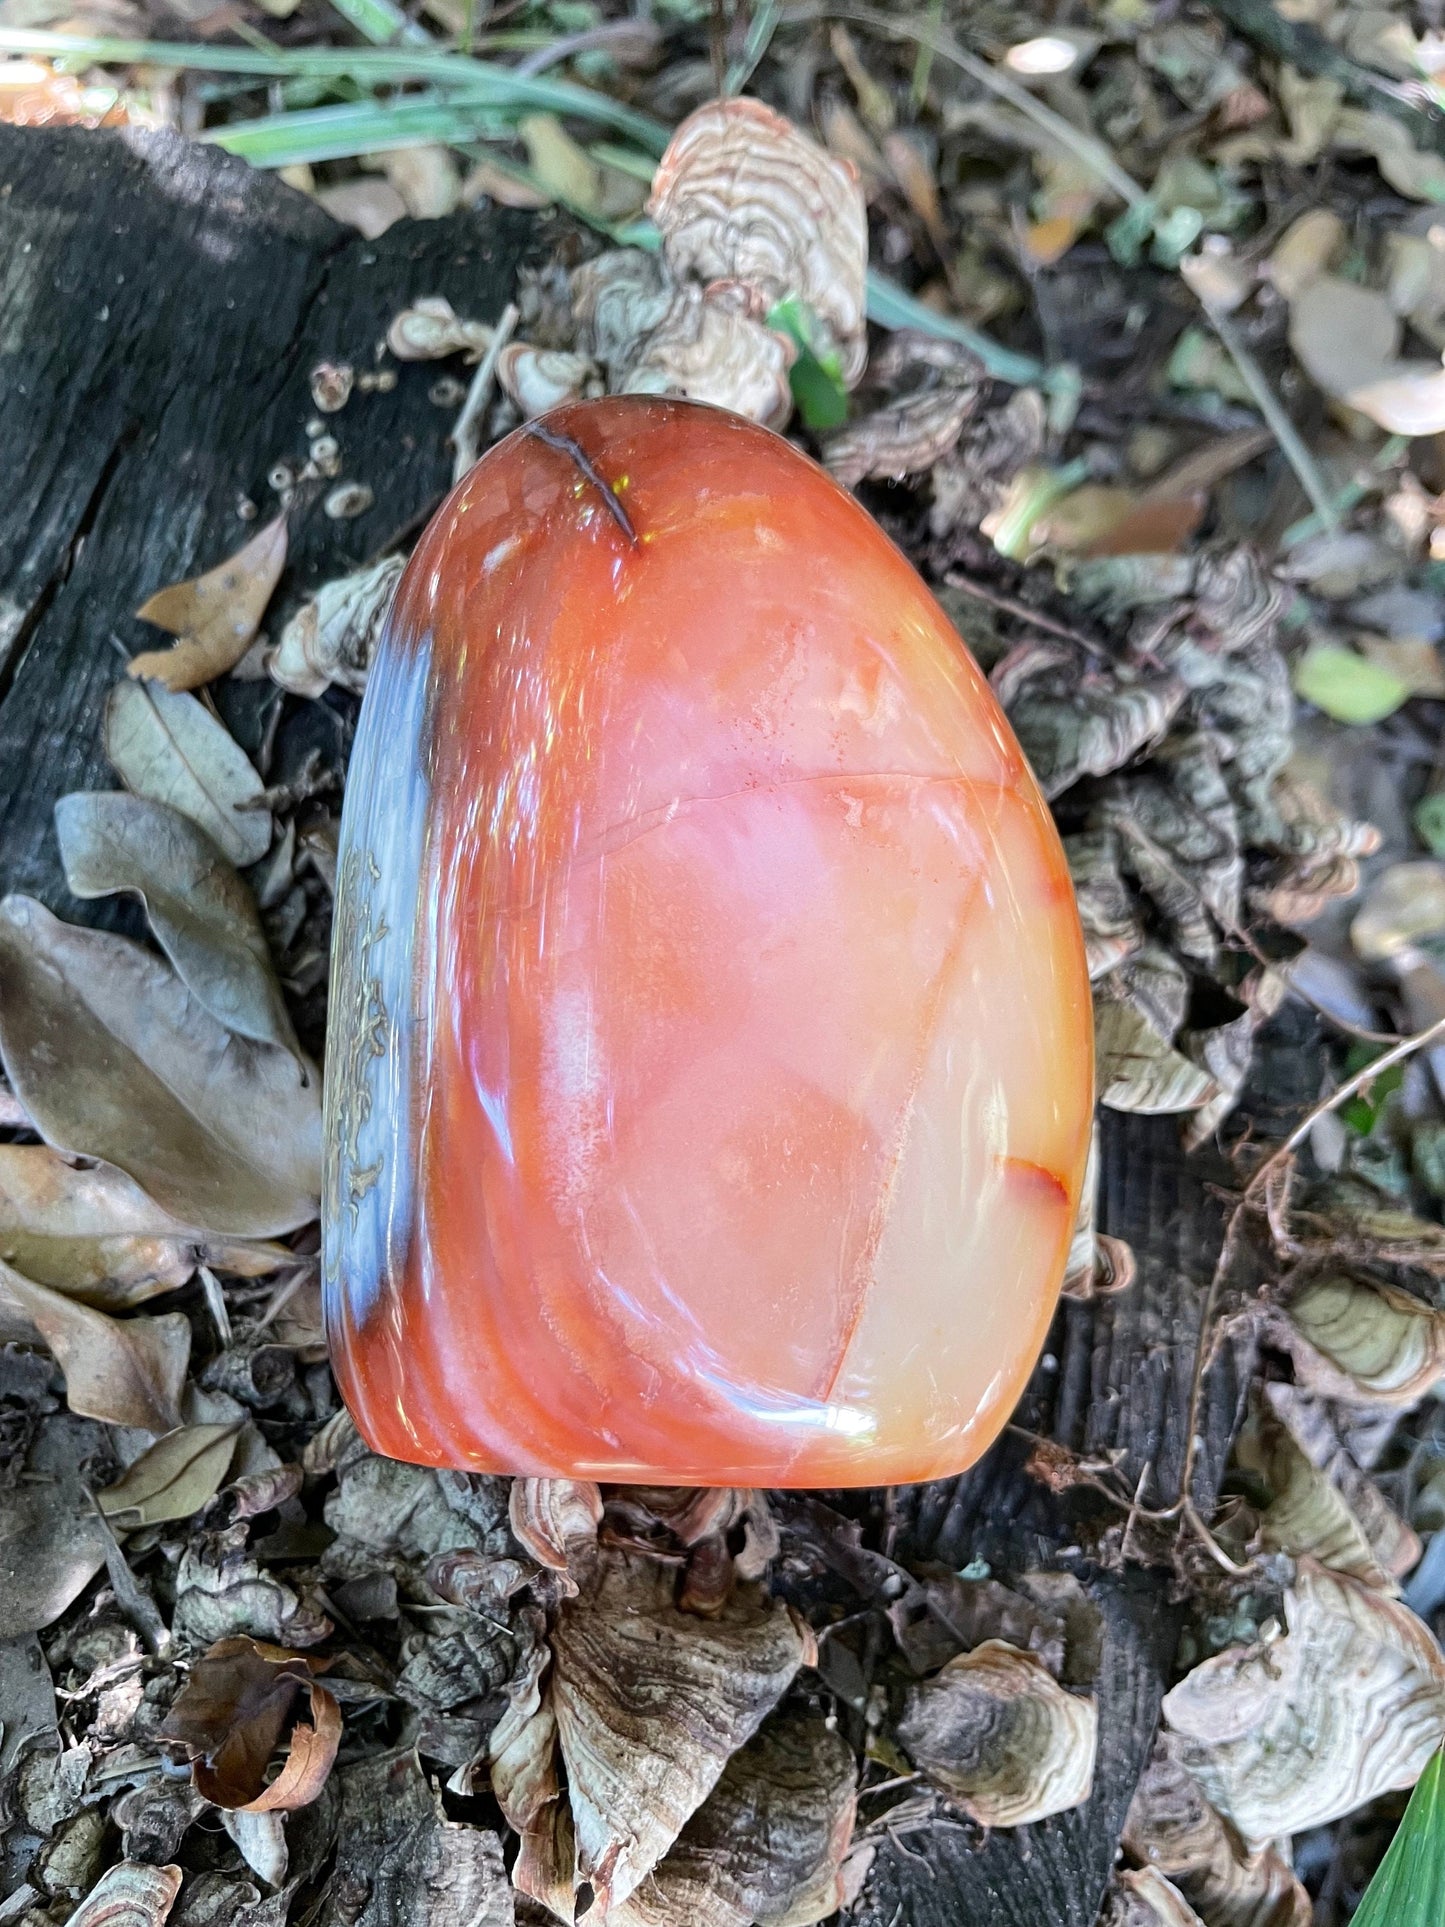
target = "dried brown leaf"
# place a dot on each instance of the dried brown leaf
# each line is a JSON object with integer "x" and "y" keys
{"x": 1142, "y": 1897}
{"x": 768, "y": 1843}
{"x": 130, "y": 1894}
{"x": 1172, "y": 1828}
{"x": 1362, "y": 1342}
{"x": 216, "y": 615}
{"x": 1135, "y": 1020}
{"x": 116, "y": 1059}
{"x": 230, "y": 1717}
{"x": 1307, "y": 1515}
{"x": 91, "y": 1232}
{"x": 52, "y": 1544}
{"x": 330, "y": 639}
{"x": 997, "y": 1730}
{"x": 167, "y": 746}
{"x": 1294, "y": 1733}
{"x": 203, "y": 915}
{"x": 1345, "y": 335}
{"x": 1311, "y": 1425}
{"x": 173, "y": 1479}
{"x": 127, "y": 1371}
{"x": 650, "y": 1703}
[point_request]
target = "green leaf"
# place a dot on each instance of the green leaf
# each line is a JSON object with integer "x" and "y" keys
{"x": 816, "y": 377}
{"x": 1128, "y": 235}
{"x": 1408, "y": 1889}
{"x": 1348, "y": 687}
{"x": 1430, "y": 822}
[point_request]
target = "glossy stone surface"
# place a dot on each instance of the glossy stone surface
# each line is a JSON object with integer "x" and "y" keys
{"x": 709, "y": 1078}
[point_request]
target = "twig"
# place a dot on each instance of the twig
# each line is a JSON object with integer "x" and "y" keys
{"x": 1291, "y": 442}
{"x": 1010, "y": 606}
{"x": 1247, "y": 1201}
{"x": 466, "y": 436}
{"x": 1306, "y": 49}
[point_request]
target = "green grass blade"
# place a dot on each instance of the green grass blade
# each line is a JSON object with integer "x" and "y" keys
{"x": 360, "y": 127}
{"x": 892, "y": 307}
{"x": 1408, "y": 1889}
{"x": 478, "y": 80}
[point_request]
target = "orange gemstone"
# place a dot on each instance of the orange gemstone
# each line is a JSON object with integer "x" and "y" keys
{"x": 710, "y": 1067}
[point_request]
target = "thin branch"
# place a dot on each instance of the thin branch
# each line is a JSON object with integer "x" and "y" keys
{"x": 1291, "y": 442}
{"x": 466, "y": 436}
{"x": 1248, "y": 1200}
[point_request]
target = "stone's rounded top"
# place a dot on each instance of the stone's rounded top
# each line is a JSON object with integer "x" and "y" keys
{"x": 711, "y": 1059}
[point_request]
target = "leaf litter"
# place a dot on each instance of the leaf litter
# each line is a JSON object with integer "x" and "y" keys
{"x": 1189, "y": 621}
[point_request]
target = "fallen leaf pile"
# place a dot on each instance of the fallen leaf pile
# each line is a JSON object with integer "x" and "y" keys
{"x": 1191, "y": 521}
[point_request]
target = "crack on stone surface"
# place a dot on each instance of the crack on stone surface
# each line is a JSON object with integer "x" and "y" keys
{"x": 582, "y": 462}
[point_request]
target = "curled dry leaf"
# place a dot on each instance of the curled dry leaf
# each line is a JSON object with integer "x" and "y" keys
{"x": 537, "y": 379}
{"x": 1137, "y": 1010}
{"x": 712, "y": 350}
{"x": 556, "y": 1521}
{"x": 1071, "y": 727}
{"x": 127, "y": 1371}
{"x": 742, "y": 196}
{"x": 173, "y": 1479}
{"x": 131, "y": 1894}
{"x": 1311, "y": 1425}
{"x": 997, "y": 1730}
{"x": 1308, "y": 1514}
{"x": 1349, "y": 1703}
{"x": 239, "y": 1700}
{"x": 261, "y": 1840}
{"x": 431, "y": 329}
{"x": 1173, "y": 1829}
{"x": 1098, "y": 1265}
{"x": 1113, "y": 927}
{"x": 914, "y": 430}
{"x": 114, "y": 1058}
{"x": 216, "y": 615}
{"x": 204, "y": 917}
{"x": 768, "y": 1843}
{"x": 330, "y": 638}
{"x": 167, "y": 746}
{"x": 650, "y": 1703}
{"x": 92, "y": 1233}
{"x": 1142, "y": 1897}
{"x": 1362, "y": 1342}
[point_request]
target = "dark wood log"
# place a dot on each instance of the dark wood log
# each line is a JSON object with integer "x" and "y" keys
{"x": 160, "y": 313}
{"x": 161, "y": 310}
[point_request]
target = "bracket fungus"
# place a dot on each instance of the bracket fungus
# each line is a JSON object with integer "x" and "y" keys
{"x": 710, "y": 1084}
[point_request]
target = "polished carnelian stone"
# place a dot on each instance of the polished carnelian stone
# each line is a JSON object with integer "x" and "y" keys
{"x": 709, "y": 1077}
